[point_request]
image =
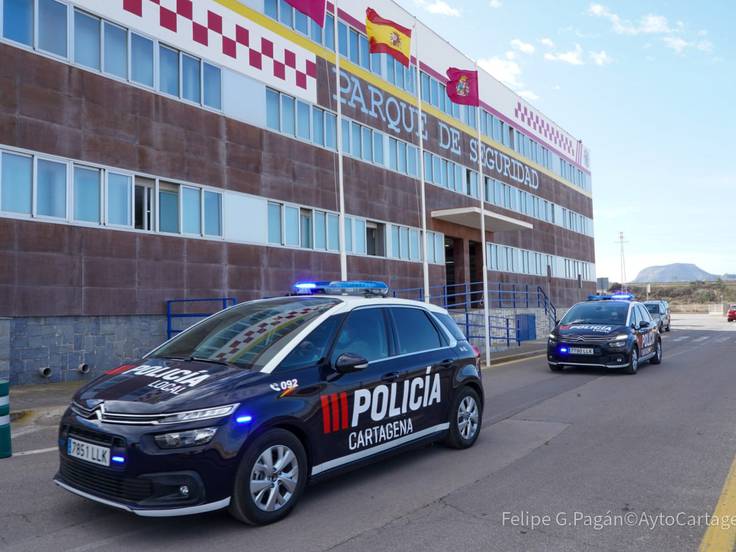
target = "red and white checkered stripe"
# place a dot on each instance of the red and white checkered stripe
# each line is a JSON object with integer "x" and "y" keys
{"x": 543, "y": 128}
{"x": 210, "y": 30}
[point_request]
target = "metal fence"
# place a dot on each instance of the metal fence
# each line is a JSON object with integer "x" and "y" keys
{"x": 171, "y": 316}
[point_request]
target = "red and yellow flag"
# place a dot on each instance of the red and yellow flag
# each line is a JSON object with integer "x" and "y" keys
{"x": 388, "y": 37}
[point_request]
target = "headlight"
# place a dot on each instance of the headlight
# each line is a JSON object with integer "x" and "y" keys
{"x": 201, "y": 414}
{"x": 552, "y": 337}
{"x": 619, "y": 342}
{"x": 190, "y": 438}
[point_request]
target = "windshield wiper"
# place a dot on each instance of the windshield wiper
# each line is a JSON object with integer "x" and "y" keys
{"x": 208, "y": 360}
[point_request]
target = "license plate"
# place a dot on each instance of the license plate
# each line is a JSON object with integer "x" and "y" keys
{"x": 88, "y": 452}
{"x": 582, "y": 351}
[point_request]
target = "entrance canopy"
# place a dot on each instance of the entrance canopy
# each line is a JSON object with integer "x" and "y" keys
{"x": 470, "y": 217}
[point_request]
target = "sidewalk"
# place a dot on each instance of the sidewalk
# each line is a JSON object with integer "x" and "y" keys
{"x": 33, "y": 400}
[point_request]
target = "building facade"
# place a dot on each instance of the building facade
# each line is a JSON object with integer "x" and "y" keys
{"x": 163, "y": 149}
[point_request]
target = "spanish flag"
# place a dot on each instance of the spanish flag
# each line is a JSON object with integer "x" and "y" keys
{"x": 388, "y": 37}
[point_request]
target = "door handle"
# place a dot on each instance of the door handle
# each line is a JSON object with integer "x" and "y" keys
{"x": 446, "y": 362}
{"x": 392, "y": 376}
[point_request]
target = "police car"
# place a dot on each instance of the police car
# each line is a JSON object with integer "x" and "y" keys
{"x": 244, "y": 408}
{"x": 606, "y": 331}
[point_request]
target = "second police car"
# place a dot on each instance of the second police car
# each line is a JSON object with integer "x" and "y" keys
{"x": 244, "y": 408}
{"x": 606, "y": 331}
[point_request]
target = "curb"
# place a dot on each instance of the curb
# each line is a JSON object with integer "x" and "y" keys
{"x": 517, "y": 356}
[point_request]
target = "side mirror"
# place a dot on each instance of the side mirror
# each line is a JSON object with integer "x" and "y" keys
{"x": 349, "y": 362}
{"x": 643, "y": 324}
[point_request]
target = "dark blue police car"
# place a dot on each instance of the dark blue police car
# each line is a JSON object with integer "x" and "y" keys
{"x": 244, "y": 408}
{"x": 606, "y": 331}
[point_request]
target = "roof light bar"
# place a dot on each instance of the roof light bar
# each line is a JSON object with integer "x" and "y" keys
{"x": 614, "y": 297}
{"x": 354, "y": 287}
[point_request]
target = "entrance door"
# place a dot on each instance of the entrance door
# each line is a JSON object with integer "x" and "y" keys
{"x": 450, "y": 271}
{"x": 475, "y": 268}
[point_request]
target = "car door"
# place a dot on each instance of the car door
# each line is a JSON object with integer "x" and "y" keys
{"x": 424, "y": 364}
{"x": 351, "y": 404}
{"x": 647, "y": 335}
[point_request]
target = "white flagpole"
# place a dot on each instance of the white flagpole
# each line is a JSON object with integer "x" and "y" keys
{"x": 340, "y": 170}
{"x": 420, "y": 125}
{"x": 482, "y": 190}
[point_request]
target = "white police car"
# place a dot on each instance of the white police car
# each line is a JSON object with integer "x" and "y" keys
{"x": 241, "y": 410}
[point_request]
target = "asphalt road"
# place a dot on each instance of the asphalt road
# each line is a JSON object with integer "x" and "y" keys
{"x": 568, "y": 445}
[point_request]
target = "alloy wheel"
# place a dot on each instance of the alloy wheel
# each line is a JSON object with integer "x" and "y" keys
{"x": 274, "y": 478}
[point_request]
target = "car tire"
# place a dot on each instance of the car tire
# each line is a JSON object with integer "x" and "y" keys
{"x": 667, "y": 328}
{"x": 260, "y": 498}
{"x": 466, "y": 417}
{"x": 555, "y": 367}
{"x": 657, "y": 358}
{"x": 633, "y": 366}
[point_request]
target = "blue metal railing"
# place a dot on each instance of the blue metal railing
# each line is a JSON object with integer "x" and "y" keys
{"x": 223, "y": 302}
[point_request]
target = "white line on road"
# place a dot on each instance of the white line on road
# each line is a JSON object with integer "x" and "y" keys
{"x": 36, "y": 451}
{"x": 699, "y": 339}
{"x": 722, "y": 339}
{"x": 681, "y": 338}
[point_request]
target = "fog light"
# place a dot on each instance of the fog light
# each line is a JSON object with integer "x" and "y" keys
{"x": 184, "y": 490}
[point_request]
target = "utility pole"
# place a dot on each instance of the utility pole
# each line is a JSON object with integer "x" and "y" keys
{"x": 621, "y": 243}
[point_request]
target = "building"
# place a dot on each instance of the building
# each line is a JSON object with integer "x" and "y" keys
{"x": 161, "y": 149}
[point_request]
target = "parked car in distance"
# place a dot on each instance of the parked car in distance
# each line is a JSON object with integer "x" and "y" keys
{"x": 660, "y": 313}
{"x": 731, "y": 316}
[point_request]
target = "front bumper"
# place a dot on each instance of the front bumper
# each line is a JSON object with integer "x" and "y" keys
{"x": 151, "y": 481}
{"x": 603, "y": 357}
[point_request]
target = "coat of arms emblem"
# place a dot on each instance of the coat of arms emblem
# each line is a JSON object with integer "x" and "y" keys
{"x": 463, "y": 86}
{"x": 395, "y": 39}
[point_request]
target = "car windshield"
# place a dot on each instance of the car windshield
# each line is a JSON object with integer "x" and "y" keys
{"x": 653, "y": 308}
{"x": 611, "y": 313}
{"x": 248, "y": 335}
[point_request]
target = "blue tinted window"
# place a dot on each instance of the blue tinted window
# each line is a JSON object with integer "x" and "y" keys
{"x": 271, "y": 8}
{"x": 169, "y": 70}
{"x": 273, "y": 110}
{"x": 291, "y": 224}
{"x": 15, "y": 181}
{"x": 18, "y": 21}
{"x": 168, "y": 211}
{"x": 360, "y": 236}
{"x": 191, "y": 211}
{"x": 212, "y": 214}
{"x": 51, "y": 191}
{"x": 212, "y": 86}
{"x": 315, "y": 32}
{"x": 345, "y": 136}
{"x": 118, "y": 199}
{"x": 320, "y": 230}
{"x": 303, "y": 120}
{"x": 274, "y": 223}
{"x": 52, "y": 27}
{"x": 355, "y": 149}
{"x": 354, "y": 52}
{"x": 116, "y": 51}
{"x": 87, "y": 194}
{"x": 402, "y": 157}
{"x": 285, "y": 13}
{"x": 191, "y": 84}
{"x": 333, "y": 232}
{"x": 86, "y": 40}
{"x": 287, "y": 115}
{"x": 318, "y": 126}
{"x": 330, "y": 32}
{"x": 301, "y": 23}
{"x": 141, "y": 67}
{"x": 412, "y": 161}
{"x": 365, "y": 60}
{"x": 377, "y": 147}
{"x": 330, "y": 130}
{"x": 342, "y": 38}
{"x": 367, "y": 145}
{"x": 393, "y": 160}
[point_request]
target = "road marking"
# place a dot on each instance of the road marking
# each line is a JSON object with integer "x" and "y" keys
{"x": 700, "y": 339}
{"x": 36, "y": 451}
{"x": 720, "y": 538}
{"x": 722, "y": 339}
{"x": 681, "y": 338}
{"x": 495, "y": 364}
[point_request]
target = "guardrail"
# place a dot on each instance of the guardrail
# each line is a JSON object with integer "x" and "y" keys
{"x": 223, "y": 302}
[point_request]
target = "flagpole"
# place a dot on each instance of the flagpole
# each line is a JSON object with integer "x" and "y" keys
{"x": 482, "y": 189}
{"x": 340, "y": 169}
{"x": 420, "y": 125}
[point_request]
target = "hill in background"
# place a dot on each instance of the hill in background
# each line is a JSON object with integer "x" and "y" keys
{"x": 674, "y": 273}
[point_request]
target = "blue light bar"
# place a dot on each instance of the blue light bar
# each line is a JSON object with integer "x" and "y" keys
{"x": 354, "y": 287}
{"x": 614, "y": 297}
{"x": 244, "y": 419}
{"x": 118, "y": 459}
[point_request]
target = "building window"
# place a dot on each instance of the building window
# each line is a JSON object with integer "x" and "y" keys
{"x": 305, "y": 224}
{"x": 86, "y": 194}
{"x": 87, "y": 40}
{"x": 118, "y": 199}
{"x": 168, "y": 71}
{"x": 141, "y": 67}
{"x": 320, "y": 230}
{"x": 18, "y": 21}
{"x": 291, "y": 226}
{"x": 212, "y": 77}
{"x": 333, "y": 232}
{"x": 168, "y": 210}
{"x": 331, "y": 131}
{"x": 375, "y": 236}
{"x": 116, "y": 51}
{"x": 274, "y": 224}
{"x": 51, "y": 189}
{"x": 16, "y": 181}
{"x": 303, "y": 129}
{"x": 191, "y": 207}
{"x": 212, "y": 214}
{"x": 359, "y": 242}
{"x": 191, "y": 78}
{"x": 287, "y": 115}
{"x": 143, "y": 203}
{"x": 318, "y": 126}
{"x": 52, "y": 33}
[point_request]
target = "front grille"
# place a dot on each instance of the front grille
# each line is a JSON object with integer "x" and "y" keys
{"x": 99, "y": 413}
{"x": 103, "y": 483}
{"x": 96, "y": 437}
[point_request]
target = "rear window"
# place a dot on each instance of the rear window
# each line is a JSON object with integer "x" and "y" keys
{"x": 449, "y": 323}
{"x": 248, "y": 335}
{"x": 653, "y": 307}
{"x": 415, "y": 330}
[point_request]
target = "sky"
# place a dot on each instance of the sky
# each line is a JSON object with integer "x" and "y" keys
{"x": 650, "y": 88}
